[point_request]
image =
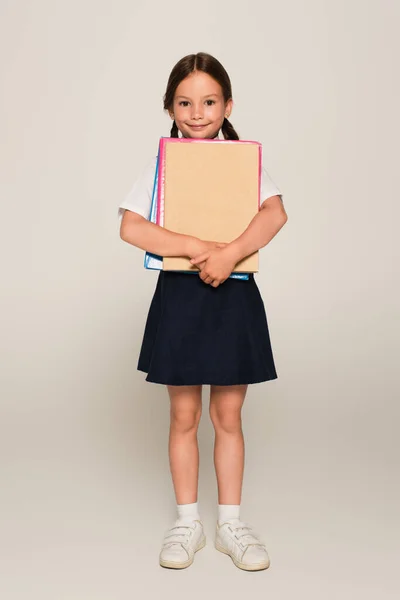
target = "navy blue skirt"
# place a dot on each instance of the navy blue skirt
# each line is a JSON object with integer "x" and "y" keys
{"x": 196, "y": 334}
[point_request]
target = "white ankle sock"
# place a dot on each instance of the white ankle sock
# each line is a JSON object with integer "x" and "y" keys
{"x": 188, "y": 511}
{"x": 227, "y": 512}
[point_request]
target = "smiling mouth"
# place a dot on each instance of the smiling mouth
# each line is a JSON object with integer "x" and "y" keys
{"x": 197, "y": 126}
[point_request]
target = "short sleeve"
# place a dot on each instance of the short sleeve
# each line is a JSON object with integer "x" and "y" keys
{"x": 139, "y": 198}
{"x": 267, "y": 187}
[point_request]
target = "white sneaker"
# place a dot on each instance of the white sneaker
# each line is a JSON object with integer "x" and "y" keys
{"x": 180, "y": 544}
{"x": 241, "y": 543}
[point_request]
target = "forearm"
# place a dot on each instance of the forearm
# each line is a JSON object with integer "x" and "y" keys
{"x": 152, "y": 238}
{"x": 264, "y": 226}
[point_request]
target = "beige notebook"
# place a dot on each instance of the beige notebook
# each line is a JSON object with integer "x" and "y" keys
{"x": 209, "y": 189}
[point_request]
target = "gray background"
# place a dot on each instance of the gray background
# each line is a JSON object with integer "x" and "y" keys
{"x": 86, "y": 493}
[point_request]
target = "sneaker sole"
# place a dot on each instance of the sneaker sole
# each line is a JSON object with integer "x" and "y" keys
{"x": 182, "y": 565}
{"x": 256, "y": 567}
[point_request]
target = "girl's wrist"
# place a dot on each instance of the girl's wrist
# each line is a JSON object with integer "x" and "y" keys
{"x": 191, "y": 245}
{"x": 235, "y": 250}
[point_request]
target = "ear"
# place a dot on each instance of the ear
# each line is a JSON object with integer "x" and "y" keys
{"x": 171, "y": 114}
{"x": 228, "y": 108}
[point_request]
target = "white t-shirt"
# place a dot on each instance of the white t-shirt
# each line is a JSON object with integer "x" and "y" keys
{"x": 139, "y": 198}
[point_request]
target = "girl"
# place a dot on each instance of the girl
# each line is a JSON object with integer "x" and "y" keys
{"x": 205, "y": 330}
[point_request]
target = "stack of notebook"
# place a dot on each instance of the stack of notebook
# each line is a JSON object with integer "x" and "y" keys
{"x": 209, "y": 189}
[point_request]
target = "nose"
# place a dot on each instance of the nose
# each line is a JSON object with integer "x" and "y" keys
{"x": 197, "y": 111}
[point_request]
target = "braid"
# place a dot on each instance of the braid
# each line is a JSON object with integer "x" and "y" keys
{"x": 174, "y": 130}
{"x": 228, "y": 130}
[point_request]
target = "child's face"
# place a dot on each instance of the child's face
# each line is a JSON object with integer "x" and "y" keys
{"x": 199, "y": 108}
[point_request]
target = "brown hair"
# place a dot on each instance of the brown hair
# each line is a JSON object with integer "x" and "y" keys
{"x": 210, "y": 65}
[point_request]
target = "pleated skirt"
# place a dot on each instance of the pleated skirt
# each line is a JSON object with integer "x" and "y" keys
{"x": 196, "y": 334}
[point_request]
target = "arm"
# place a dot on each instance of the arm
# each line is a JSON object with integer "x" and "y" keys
{"x": 216, "y": 266}
{"x": 140, "y": 232}
{"x": 263, "y": 227}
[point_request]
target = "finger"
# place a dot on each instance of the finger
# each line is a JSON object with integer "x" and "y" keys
{"x": 200, "y": 258}
{"x": 200, "y": 266}
{"x": 206, "y": 278}
{"x": 215, "y": 283}
{"x": 221, "y": 244}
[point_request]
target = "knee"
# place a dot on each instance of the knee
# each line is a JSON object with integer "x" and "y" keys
{"x": 226, "y": 421}
{"x": 184, "y": 420}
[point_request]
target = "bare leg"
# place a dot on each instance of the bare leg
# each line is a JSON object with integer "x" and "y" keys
{"x": 225, "y": 411}
{"x": 185, "y": 416}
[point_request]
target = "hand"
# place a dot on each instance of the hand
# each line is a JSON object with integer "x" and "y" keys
{"x": 197, "y": 247}
{"x": 216, "y": 264}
